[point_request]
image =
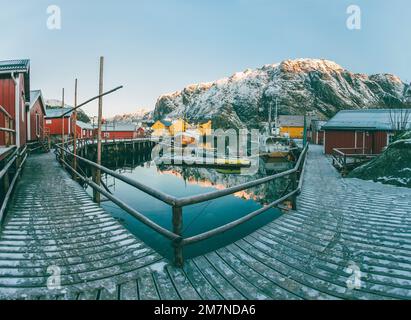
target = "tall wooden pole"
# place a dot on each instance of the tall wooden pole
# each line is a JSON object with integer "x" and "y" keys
{"x": 97, "y": 176}
{"x": 62, "y": 124}
{"x": 75, "y": 130}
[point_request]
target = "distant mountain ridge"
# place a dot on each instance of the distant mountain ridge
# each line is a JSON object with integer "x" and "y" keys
{"x": 140, "y": 115}
{"x": 299, "y": 86}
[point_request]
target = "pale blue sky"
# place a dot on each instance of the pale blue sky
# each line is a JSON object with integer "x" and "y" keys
{"x": 159, "y": 46}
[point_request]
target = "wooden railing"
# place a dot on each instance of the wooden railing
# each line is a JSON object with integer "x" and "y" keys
{"x": 178, "y": 204}
{"x": 10, "y": 171}
{"x": 8, "y": 130}
{"x": 346, "y": 159}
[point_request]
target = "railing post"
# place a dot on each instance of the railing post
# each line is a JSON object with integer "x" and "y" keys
{"x": 178, "y": 229}
{"x": 6, "y": 183}
{"x": 294, "y": 184}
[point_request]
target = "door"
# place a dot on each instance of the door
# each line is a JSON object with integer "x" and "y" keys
{"x": 359, "y": 140}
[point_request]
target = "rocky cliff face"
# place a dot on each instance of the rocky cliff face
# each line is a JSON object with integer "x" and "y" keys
{"x": 299, "y": 86}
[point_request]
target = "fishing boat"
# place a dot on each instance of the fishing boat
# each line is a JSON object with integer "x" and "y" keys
{"x": 276, "y": 147}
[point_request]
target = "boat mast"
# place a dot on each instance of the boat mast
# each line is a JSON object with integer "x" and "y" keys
{"x": 270, "y": 127}
{"x": 276, "y": 113}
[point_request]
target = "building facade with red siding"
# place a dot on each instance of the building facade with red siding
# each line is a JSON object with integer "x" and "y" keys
{"x": 84, "y": 130}
{"x": 35, "y": 123}
{"x": 54, "y": 121}
{"x": 119, "y": 131}
{"x": 14, "y": 100}
{"x": 370, "y": 130}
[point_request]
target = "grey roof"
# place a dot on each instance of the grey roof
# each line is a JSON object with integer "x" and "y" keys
{"x": 293, "y": 121}
{"x": 58, "y": 112}
{"x": 111, "y": 127}
{"x": 22, "y": 65}
{"x": 369, "y": 119}
{"x": 83, "y": 125}
{"x": 34, "y": 96}
{"x": 166, "y": 123}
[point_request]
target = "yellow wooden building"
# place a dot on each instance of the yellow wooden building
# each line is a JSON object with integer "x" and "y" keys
{"x": 292, "y": 126}
{"x": 178, "y": 126}
{"x": 161, "y": 128}
{"x": 205, "y": 128}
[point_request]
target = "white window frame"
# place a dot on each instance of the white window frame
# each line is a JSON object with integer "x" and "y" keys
{"x": 37, "y": 125}
{"x": 389, "y": 136}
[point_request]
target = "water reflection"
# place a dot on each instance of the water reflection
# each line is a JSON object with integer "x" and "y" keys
{"x": 187, "y": 181}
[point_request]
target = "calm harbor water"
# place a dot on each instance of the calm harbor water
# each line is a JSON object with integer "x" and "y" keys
{"x": 186, "y": 181}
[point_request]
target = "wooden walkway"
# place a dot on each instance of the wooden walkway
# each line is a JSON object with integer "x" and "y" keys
{"x": 302, "y": 255}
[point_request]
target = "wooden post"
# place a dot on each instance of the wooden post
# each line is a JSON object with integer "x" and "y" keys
{"x": 6, "y": 183}
{"x": 178, "y": 229}
{"x": 62, "y": 126}
{"x": 97, "y": 176}
{"x": 75, "y": 131}
{"x": 294, "y": 184}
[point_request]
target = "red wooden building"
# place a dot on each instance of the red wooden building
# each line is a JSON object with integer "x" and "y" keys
{"x": 316, "y": 132}
{"x": 141, "y": 132}
{"x": 35, "y": 120}
{"x": 113, "y": 131}
{"x": 84, "y": 130}
{"x": 14, "y": 101}
{"x": 54, "y": 121}
{"x": 370, "y": 130}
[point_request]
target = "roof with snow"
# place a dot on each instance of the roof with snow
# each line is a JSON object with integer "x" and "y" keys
{"x": 293, "y": 121}
{"x": 58, "y": 112}
{"x": 34, "y": 96}
{"x": 22, "y": 65}
{"x": 115, "y": 127}
{"x": 18, "y": 66}
{"x": 167, "y": 123}
{"x": 85, "y": 126}
{"x": 368, "y": 119}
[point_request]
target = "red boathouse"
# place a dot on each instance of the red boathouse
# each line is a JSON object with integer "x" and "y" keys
{"x": 14, "y": 101}
{"x": 116, "y": 131}
{"x": 54, "y": 121}
{"x": 370, "y": 130}
{"x": 35, "y": 123}
{"x": 84, "y": 130}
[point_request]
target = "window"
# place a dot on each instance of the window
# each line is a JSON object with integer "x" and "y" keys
{"x": 37, "y": 125}
{"x": 23, "y": 113}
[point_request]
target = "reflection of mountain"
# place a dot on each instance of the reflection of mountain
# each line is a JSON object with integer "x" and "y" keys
{"x": 206, "y": 177}
{"x": 203, "y": 177}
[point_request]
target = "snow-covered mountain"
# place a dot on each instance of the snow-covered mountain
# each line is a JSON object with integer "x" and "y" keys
{"x": 140, "y": 115}
{"x": 299, "y": 86}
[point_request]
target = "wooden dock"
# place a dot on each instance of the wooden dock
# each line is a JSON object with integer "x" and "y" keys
{"x": 343, "y": 228}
